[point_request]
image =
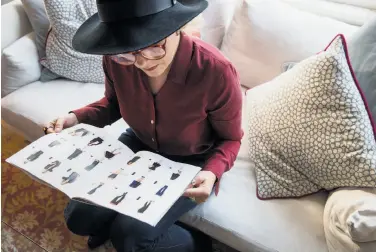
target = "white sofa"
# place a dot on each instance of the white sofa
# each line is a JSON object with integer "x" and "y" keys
{"x": 236, "y": 217}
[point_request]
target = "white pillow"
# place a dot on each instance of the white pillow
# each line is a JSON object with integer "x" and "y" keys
{"x": 350, "y": 220}
{"x": 265, "y": 34}
{"x": 350, "y": 14}
{"x": 19, "y": 64}
{"x": 217, "y": 17}
{"x": 369, "y": 4}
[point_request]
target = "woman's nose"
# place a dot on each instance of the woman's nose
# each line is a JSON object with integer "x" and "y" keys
{"x": 140, "y": 61}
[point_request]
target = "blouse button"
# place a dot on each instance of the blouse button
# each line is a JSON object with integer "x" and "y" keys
{"x": 152, "y": 139}
{"x": 152, "y": 121}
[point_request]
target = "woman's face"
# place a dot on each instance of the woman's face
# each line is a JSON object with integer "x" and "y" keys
{"x": 155, "y": 68}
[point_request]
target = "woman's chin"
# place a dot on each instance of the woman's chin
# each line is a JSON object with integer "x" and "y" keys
{"x": 154, "y": 73}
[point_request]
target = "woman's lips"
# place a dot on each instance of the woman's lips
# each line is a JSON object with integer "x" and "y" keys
{"x": 152, "y": 68}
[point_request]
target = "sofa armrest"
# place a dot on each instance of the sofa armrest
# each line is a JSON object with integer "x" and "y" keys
{"x": 14, "y": 23}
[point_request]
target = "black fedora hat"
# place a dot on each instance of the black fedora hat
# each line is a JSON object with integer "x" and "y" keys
{"x": 122, "y": 26}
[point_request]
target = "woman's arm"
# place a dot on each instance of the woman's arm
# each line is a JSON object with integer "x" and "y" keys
{"x": 225, "y": 116}
{"x": 103, "y": 112}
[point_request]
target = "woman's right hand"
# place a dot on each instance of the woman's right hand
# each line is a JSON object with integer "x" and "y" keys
{"x": 61, "y": 123}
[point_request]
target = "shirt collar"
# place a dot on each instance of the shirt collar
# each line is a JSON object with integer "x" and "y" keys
{"x": 182, "y": 60}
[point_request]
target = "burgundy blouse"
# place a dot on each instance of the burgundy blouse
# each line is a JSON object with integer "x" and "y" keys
{"x": 198, "y": 108}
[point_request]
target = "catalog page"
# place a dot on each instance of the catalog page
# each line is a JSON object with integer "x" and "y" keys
{"x": 87, "y": 164}
{"x": 69, "y": 160}
{"x": 143, "y": 187}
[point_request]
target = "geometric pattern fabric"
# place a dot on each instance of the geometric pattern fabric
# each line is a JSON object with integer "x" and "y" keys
{"x": 309, "y": 129}
{"x": 66, "y": 16}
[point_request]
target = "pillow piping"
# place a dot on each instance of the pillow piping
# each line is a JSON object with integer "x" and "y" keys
{"x": 356, "y": 81}
{"x": 343, "y": 40}
{"x": 45, "y": 44}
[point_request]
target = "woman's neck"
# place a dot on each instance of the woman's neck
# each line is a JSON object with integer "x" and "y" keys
{"x": 156, "y": 83}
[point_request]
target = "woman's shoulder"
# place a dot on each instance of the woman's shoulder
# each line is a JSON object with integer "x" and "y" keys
{"x": 114, "y": 69}
{"x": 208, "y": 53}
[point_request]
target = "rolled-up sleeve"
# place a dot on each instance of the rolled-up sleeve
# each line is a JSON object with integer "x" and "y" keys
{"x": 225, "y": 116}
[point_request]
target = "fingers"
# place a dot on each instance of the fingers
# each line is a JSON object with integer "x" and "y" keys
{"x": 55, "y": 126}
{"x": 59, "y": 124}
{"x": 199, "y": 192}
{"x": 50, "y": 130}
{"x": 197, "y": 187}
{"x": 198, "y": 180}
{"x": 189, "y": 186}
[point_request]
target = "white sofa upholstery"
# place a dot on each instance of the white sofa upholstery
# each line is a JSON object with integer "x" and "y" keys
{"x": 236, "y": 217}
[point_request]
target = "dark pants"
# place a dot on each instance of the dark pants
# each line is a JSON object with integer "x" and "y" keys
{"x": 131, "y": 235}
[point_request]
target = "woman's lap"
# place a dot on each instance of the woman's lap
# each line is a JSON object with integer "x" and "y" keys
{"x": 130, "y": 139}
{"x": 147, "y": 236}
{"x": 85, "y": 219}
{"x": 90, "y": 217}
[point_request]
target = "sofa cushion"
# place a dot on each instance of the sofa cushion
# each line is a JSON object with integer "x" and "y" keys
{"x": 246, "y": 226}
{"x": 350, "y": 220}
{"x": 14, "y": 14}
{"x": 310, "y": 130}
{"x": 19, "y": 64}
{"x": 239, "y": 219}
{"x": 66, "y": 17}
{"x": 265, "y": 34}
{"x": 362, "y": 52}
{"x": 35, "y": 104}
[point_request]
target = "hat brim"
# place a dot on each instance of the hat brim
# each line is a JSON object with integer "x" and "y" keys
{"x": 99, "y": 38}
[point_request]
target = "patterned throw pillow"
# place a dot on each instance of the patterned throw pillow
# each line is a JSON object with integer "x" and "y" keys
{"x": 310, "y": 129}
{"x": 66, "y": 16}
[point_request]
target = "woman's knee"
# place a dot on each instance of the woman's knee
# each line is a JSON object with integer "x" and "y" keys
{"x": 128, "y": 234}
{"x": 82, "y": 219}
{"x": 72, "y": 213}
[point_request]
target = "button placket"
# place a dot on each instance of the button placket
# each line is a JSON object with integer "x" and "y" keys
{"x": 153, "y": 128}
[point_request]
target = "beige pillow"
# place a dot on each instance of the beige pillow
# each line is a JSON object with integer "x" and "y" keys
{"x": 309, "y": 129}
{"x": 350, "y": 220}
{"x": 265, "y": 34}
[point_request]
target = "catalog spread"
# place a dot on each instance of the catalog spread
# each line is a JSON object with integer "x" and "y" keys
{"x": 89, "y": 165}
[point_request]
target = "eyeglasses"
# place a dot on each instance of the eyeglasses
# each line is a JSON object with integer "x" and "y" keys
{"x": 154, "y": 52}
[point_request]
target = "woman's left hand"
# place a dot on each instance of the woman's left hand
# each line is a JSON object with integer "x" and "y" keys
{"x": 201, "y": 187}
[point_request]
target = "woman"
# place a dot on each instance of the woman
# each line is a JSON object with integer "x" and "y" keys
{"x": 181, "y": 99}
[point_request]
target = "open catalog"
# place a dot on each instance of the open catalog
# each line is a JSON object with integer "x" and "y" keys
{"x": 91, "y": 166}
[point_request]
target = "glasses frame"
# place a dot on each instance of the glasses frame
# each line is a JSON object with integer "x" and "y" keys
{"x": 140, "y": 52}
